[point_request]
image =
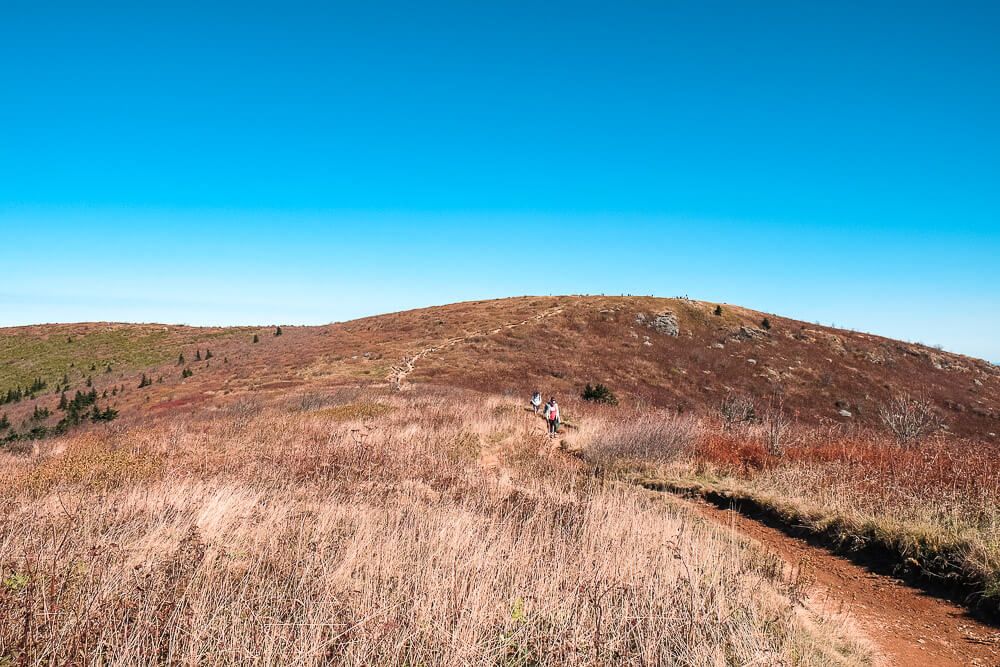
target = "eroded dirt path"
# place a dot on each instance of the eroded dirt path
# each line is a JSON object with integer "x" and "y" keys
{"x": 910, "y": 628}
{"x": 398, "y": 373}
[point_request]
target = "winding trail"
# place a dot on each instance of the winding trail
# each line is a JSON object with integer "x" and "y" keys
{"x": 397, "y": 374}
{"x": 910, "y": 628}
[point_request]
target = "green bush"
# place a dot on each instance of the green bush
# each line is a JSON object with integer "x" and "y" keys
{"x": 599, "y": 393}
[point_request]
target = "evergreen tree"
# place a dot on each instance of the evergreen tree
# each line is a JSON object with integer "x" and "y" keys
{"x": 93, "y": 367}
{"x": 114, "y": 391}
{"x": 180, "y": 359}
{"x": 4, "y": 423}
{"x": 766, "y": 323}
{"x": 63, "y": 403}
{"x": 197, "y": 355}
{"x": 208, "y": 354}
{"x": 186, "y": 373}
{"x": 256, "y": 339}
{"x": 65, "y": 380}
{"x": 145, "y": 381}
{"x": 108, "y": 369}
{"x": 90, "y": 381}
{"x": 277, "y": 332}
{"x": 718, "y": 311}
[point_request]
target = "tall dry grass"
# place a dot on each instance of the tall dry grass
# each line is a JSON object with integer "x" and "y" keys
{"x": 407, "y": 533}
{"x": 935, "y": 506}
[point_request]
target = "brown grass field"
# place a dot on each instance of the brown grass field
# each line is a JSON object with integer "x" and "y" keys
{"x": 373, "y": 492}
{"x": 362, "y": 527}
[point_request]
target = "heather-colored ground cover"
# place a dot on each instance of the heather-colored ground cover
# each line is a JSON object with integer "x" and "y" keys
{"x": 357, "y": 527}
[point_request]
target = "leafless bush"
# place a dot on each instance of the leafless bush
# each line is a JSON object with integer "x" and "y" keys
{"x": 909, "y": 419}
{"x": 655, "y": 438}
{"x": 736, "y": 409}
{"x": 776, "y": 429}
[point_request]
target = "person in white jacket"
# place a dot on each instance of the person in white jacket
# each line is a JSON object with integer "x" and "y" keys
{"x": 552, "y": 416}
{"x": 536, "y": 401}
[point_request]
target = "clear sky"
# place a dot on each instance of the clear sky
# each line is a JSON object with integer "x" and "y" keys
{"x": 225, "y": 163}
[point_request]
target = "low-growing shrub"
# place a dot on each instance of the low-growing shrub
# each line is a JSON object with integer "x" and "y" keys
{"x": 599, "y": 393}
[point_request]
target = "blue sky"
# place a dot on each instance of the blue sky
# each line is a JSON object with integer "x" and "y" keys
{"x": 218, "y": 163}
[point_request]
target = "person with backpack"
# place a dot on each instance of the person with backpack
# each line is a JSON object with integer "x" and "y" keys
{"x": 536, "y": 401}
{"x": 552, "y": 416}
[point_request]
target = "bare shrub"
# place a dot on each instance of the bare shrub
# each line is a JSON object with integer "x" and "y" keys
{"x": 909, "y": 419}
{"x": 655, "y": 438}
{"x": 736, "y": 409}
{"x": 776, "y": 430}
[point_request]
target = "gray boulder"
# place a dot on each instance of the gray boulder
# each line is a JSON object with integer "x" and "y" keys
{"x": 666, "y": 323}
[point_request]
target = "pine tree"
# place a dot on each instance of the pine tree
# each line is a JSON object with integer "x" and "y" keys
{"x": 277, "y": 332}
{"x": 62, "y": 401}
{"x": 4, "y": 422}
{"x": 208, "y": 354}
{"x": 145, "y": 381}
{"x": 93, "y": 367}
{"x": 180, "y": 359}
{"x": 186, "y": 373}
{"x": 197, "y": 355}
{"x": 108, "y": 369}
{"x": 65, "y": 380}
{"x": 90, "y": 381}
{"x": 766, "y": 323}
{"x": 718, "y": 311}
{"x": 256, "y": 339}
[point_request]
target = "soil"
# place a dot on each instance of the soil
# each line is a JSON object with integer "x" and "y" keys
{"x": 908, "y": 627}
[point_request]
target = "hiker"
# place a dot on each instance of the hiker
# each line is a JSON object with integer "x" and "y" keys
{"x": 536, "y": 401}
{"x": 552, "y": 416}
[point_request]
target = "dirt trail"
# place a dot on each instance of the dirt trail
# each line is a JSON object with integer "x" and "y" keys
{"x": 909, "y": 627}
{"x": 397, "y": 374}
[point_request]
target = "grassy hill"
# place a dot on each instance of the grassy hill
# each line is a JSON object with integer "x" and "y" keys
{"x": 672, "y": 353}
{"x": 375, "y": 492}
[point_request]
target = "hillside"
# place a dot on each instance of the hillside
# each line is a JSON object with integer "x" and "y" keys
{"x": 377, "y": 492}
{"x": 672, "y": 353}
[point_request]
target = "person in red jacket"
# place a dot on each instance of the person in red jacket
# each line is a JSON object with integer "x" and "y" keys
{"x": 552, "y": 416}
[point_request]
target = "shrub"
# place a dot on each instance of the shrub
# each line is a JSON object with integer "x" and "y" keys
{"x": 186, "y": 373}
{"x": 718, "y": 311}
{"x": 197, "y": 355}
{"x": 256, "y": 338}
{"x": 737, "y": 410}
{"x": 145, "y": 381}
{"x": 599, "y": 393}
{"x": 909, "y": 419}
{"x": 180, "y": 359}
{"x": 765, "y": 324}
{"x": 277, "y": 331}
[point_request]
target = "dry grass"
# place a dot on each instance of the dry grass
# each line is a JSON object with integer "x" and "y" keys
{"x": 255, "y": 534}
{"x": 934, "y": 507}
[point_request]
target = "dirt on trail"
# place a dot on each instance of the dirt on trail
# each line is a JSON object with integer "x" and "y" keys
{"x": 910, "y": 628}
